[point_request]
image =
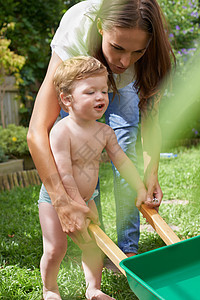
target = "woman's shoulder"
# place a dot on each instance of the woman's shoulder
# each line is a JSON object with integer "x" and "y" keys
{"x": 71, "y": 36}
{"x": 78, "y": 12}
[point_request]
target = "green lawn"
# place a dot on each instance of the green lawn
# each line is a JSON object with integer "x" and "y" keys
{"x": 21, "y": 242}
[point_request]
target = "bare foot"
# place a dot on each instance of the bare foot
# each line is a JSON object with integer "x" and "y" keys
{"x": 95, "y": 294}
{"x": 130, "y": 254}
{"x": 51, "y": 295}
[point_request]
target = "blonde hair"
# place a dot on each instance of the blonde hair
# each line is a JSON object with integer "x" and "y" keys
{"x": 73, "y": 69}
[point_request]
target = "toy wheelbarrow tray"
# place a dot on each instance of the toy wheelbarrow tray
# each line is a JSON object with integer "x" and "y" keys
{"x": 169, "y": 273}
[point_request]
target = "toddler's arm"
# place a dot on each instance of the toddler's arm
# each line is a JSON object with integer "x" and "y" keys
{"x": 125, "y": 166}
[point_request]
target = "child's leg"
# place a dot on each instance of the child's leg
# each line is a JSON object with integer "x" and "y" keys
{"x": 54, "y": 249}
{"x": 92, "y": 262}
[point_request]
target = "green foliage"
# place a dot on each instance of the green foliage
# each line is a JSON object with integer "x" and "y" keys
{"x": 35, "y": 24}
{"x": 13, "y": 140}
{"x": 183, "y": 18}
{"x": 3, "y": 157}
{"x": 10, "y": 62}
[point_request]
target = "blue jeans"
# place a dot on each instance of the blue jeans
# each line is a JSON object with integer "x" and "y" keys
{"x": 123, "y": 116}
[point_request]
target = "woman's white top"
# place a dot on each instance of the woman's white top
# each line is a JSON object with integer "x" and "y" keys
{"x": 71, "y": 37}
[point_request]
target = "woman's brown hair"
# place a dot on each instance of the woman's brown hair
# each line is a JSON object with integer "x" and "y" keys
{"x": 154, "y": 66}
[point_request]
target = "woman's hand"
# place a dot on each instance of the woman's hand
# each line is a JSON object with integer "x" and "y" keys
{"x": 75, "y": 218}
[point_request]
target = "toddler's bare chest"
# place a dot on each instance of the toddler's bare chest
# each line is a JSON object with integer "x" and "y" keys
{"x": 85, "y": 151}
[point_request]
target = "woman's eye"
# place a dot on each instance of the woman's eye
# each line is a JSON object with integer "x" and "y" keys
{"x": 104, "y": 92}
{"x": 90, "y": 92}
{"x": 116, "y": 48}
{"x": 139, "y": 52}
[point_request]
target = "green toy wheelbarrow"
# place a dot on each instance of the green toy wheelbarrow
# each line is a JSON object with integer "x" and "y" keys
{"x": 171, "y": 272}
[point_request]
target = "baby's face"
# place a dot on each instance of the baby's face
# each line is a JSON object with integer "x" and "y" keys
{"x": 90, "y": 97}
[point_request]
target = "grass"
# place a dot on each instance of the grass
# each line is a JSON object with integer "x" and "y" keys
{"x": 21, "y": 242}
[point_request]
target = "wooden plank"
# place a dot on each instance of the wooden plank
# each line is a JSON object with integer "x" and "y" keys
{"x": 15, "y": 179}
{"x": 107, "y": 245}
{"x": 10, "y": 179}
{"x": 20, "y": 179}
{"x": 5, "y": 182}
{"x": 160, "y": 226}
{"x": 9, "y": 84}
{"x": 25, "y": 178}
{"x": 113, "y": 251}
{"x": 1, "y": 183}
{"x": 29, "y": 177}
{"x": 11, "y": 166}
{"x": 34, "y": 179}
{"x": 38, "y": 178}
{"x": 11, "y": 106}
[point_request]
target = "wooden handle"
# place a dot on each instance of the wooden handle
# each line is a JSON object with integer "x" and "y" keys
{"x": 107, "y": 245}
{"x": 160, "y": 226}
{"x": 113, "y": 251}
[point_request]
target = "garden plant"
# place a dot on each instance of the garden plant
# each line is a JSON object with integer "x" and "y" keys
{"x": 13, "y": 141}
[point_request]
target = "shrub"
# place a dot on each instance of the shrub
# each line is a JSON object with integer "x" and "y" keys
{"x": 10, "y": 64}
{"x": 13, "y": 140}
{"x": 183, "y": 19}
{"x": 3, "y": 157}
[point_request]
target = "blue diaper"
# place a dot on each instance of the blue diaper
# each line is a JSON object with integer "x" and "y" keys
{"x": 95, "y": 194}
{"x": 44, "y": 196}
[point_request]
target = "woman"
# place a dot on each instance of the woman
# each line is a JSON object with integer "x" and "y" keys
{"x": 130, "y": 38}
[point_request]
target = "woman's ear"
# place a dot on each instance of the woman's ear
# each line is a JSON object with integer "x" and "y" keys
{"x": 66, "y": 99}
{"x": 99, "y": 26}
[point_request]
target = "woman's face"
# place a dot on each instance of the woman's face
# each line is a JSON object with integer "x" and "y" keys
{"x": 122, "y": 47}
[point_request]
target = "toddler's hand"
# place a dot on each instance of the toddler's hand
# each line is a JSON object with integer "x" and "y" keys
{"x": 141, "y": 197}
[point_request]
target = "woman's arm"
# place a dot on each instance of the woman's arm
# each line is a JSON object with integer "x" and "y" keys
{"x": 45, "y": 112}
{"x": 151, "y": 143}
{"x": 61, "y": 148}
{"x": 72, "y": 215}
